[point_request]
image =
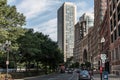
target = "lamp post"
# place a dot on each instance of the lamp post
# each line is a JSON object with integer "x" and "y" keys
{"x": 7, "y": 45}
{"x": 102, "y": 41}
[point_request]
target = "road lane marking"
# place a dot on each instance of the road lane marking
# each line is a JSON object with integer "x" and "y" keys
{"x": 52, "y": 78}
{"x": 72, "y": 76}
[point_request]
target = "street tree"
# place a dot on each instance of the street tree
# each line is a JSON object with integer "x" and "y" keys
{"x": 11, "y": 23}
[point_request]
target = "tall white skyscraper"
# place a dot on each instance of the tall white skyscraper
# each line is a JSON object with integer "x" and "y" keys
{"x": 66, "y": 20}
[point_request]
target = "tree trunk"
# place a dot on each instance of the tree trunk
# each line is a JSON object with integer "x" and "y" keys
{"x": 26, "y": 66}
{"x": 37, "y": 66}
{"x": 29, "y": 65}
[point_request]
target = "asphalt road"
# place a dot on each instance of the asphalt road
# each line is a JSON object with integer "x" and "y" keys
{"x": 58, "y": 76}
{"x": 66, "y": 76}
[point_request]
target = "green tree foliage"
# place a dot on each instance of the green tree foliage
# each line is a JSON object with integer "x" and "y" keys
{"x": 39, "y": 48}
{"x": 75, "y": 65}
{"x": 11, "y": 23}
{"x": 86, "y": 64}
{"x": 69, "y": 61}
{"x": 27, "y": 46}
{"x": 9, "y": 17}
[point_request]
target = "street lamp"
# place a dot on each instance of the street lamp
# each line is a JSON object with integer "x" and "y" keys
{"x": 7, "y": 45}
{"x": 102, "y": 41}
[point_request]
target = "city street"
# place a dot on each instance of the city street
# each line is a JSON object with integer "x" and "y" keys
{"x": 66, "y": 76}
{"x": 58, "y": 76}
{"x": 59, "y": 39}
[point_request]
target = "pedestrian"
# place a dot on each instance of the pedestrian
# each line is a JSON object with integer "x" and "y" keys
{"x": 91, "y": 74}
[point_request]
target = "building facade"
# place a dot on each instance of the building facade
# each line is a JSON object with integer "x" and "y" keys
{"x": 86, "y": 21}
{"x": 81, "y": 37}
{"x": 114, "y": 10}
{"x": 90, "y": 44}
{"x": 77, "y": 38}
{"x": 99, "y": 12}
{"x": 66, "y": 20}
{"x": 105, "y": 47}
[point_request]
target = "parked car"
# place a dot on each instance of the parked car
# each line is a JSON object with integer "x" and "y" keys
{"x": 77, "y": 70}
{"x": 70, "y": 70}
{"x": 84, "y": 75}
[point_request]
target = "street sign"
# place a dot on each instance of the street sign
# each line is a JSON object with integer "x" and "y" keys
{"x": 103, "y": 61}
{"x": 7, "y": 62}
{"x": 103, "y": 56}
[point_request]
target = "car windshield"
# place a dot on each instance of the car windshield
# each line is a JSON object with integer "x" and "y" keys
{"x": 84, "y": 72}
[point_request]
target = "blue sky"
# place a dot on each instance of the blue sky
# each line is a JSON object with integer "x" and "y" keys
{"x": 41, "y": 15}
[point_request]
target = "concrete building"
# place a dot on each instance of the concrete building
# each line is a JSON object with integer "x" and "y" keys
{"x": 99, "y": 12}
{"x": 86, "y": 21}
{"x": 81, "y": 37}
{"x": 76, "y": 52}
{"x": 114, "y": 10}
{"x": 66, "y": 20}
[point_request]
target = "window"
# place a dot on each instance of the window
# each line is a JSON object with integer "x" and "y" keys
{"x": 114, "y": 19}
{"x": 112, "y": 38}
{"x": 118, "y": 11}
{"x": 116, "y": 52}
{"x": 110, "y": 10}
{"x": 111, "y": 24}
{"x": 112, "y": 53}
{"x": 115, "y": 34}
{"x": 113, "y": 4}
{"x": 119, "y": 52}
{"x": 119, "y": 17}
{"x": 119, "y": 29}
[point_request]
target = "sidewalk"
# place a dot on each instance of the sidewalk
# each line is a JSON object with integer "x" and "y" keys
{"x": 114, "y": 75}
{"x": 35, "y": 76}
{"x": 110, "y": 77}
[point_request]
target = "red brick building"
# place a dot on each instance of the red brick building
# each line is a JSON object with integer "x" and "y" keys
{"x": 99, "y": 12}
{"x": 105, "y": 33}
{"x": 114, "y": 10}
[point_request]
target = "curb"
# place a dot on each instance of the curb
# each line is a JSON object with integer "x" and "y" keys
{"x": 34, "y": 77}
{"x": 18, "y": 79}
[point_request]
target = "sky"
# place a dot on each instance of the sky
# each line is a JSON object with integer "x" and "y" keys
{"x": 41, "y": 15}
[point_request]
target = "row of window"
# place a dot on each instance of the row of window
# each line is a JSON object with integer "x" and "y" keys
{"x": 113, "y": 22}
{"x": 115, "y": 55}
{"x": 113, "y": 6}
{"x": 118, "y": 11}
{"x": 115, "y": 34}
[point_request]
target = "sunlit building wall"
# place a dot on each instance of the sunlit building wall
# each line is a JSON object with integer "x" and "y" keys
{"x": 99, "y": 12}
{"x": 66, "y": 21}
{"x": 114, "y": 10}
{"x": 86, "y": 21}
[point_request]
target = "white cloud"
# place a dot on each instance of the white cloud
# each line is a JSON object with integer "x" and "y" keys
{"x": 33, "y": 8}
{"x": 10, "y": 1}
{"x": 48, "y": 28}
{"x": 81, "y": 12}
{"x": 82, "y": 4}
{"x": 83, "y": 7}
